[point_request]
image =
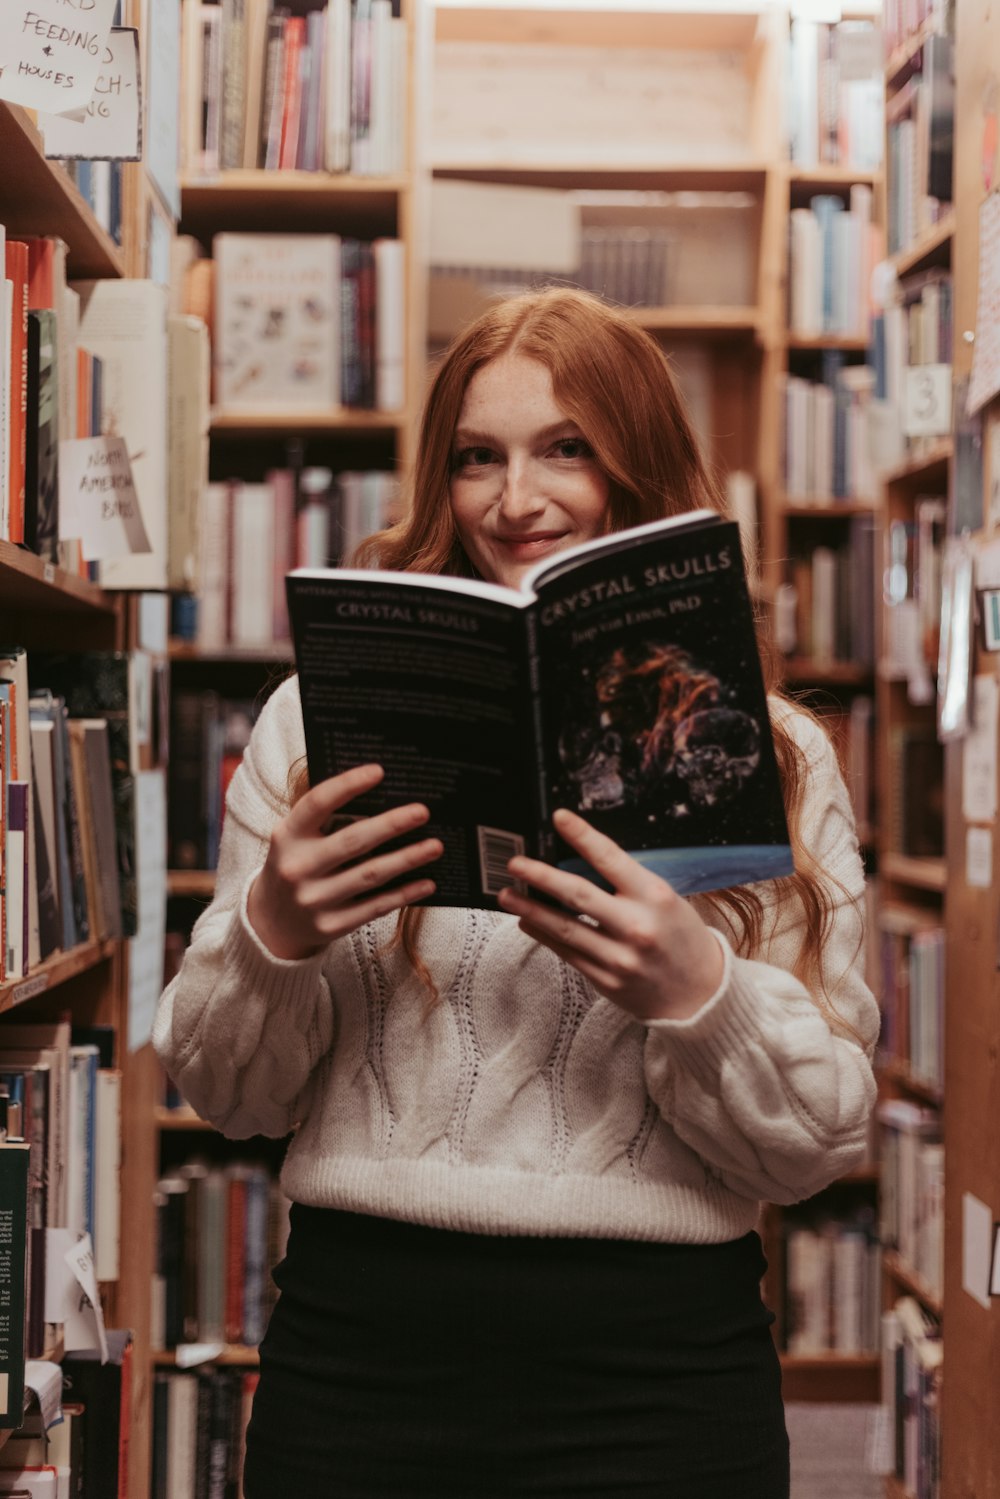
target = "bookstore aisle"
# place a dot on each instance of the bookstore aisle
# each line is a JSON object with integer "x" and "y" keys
{"x": 214, "y": 334}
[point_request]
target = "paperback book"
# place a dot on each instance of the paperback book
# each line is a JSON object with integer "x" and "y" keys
{"x": 621, "y": 681}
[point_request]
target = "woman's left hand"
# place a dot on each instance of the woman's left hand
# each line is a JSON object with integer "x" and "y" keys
{"x": 641, "y": 945}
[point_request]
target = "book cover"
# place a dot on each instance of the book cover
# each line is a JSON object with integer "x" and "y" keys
{"x": 622, "y": 681}
{"x": 14, "y": 1158}
{"x": 276, "y": 321}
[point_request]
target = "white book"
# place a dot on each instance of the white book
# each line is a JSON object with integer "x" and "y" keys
{"x": 380, "y": 93}
{"x": 337, "y": 87}
{"x": 390, "y": 324}
{"x": 825, "y": 414}
{"x": 277, "y": 322}
{"x": 107, "y": 1174}
{"x": 125, "y": 324}
{"x": 213, "y": 566}
{"x": 804, "y": 91}
{"x": 192, "y": 138}
{"x": 824, "y": 604}
{"x": 806, "y": 274}
{"x": 848, "y": 1265}
{"x": 399, "y": 92}
{"x": 182, "y": 1435}
{"x": 253, "y": 569}
{"x": 188, "y": 395}
{"x": 81, "y": 1142}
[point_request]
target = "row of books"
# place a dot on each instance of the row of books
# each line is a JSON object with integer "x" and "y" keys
{"x": 51, "y": 387}
{"x": 835, "y": 93}
{"x": 825, "y": 611}
{"x": 199, "y": 1432}
{"x": 913, "y": 329}
{"x": 826, "y": 454}
{"x": 920, "y": 140}
{"x": 208, "y": 734}
{"x": 85, "y": 1451}
{"x": 99, "y": 184}
{"x": 912, "y": 1360}
{"x": 912, "y": 993}
{"x": 832, "y": 1285}
{"x": 911, "y": 1192}
{"x": 251, "y": 535}
{"x": 219, "y": 1230}
{"x": 67, "y": 835}
{"x": 305, "y": 321}
{"x": 913, "y": 577}
{"x": 60, "y": 1116}
{"x": 92, "y": 358}
{"x": 833, "y": 250}
{"x": 263, "y": 87}
{"x": 914, "y": 814}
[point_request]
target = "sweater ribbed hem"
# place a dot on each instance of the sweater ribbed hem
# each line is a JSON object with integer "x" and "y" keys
{"x": 726, "y": 1026}
{"x": 285, "y": 981}
{"x": 482, "y": 1199}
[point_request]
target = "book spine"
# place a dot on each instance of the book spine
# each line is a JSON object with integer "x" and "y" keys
{"x": 17, "y": 879}
{"x": 13, "y": 1280}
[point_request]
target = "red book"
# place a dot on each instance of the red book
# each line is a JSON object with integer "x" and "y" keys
{"x": 17, "y": 271}
{"x": 295, "y": 39}
{"x": 84, "y": 370}
{"x": 41, "y": 272}
{"x": 236, "y": 1222}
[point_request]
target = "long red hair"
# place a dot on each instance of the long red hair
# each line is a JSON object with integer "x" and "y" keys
{"x": 614, "y": 381}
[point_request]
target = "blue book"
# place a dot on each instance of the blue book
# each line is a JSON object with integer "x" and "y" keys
{"x": 827, "y": 207}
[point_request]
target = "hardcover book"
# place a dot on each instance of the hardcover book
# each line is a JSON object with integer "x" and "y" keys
{"x": 622, "y": 681}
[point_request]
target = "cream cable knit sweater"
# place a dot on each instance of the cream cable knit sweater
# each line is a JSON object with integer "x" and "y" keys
{"x": 524, "y": 1103}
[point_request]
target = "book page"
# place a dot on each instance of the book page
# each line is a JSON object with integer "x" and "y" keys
{"x": 431, "y": 684}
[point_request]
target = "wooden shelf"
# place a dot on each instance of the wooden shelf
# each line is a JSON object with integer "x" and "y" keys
{"x": 856, "y": 344}
{"x": 188, "y": 650}
{"x": 913, "y": 1284}
{"x": 901, "y": 59}
{"x": 37, "y": 197}
{"x": 180, "y": 1119}
{"x": 332, "y": 419}
{"x": 199, "y": 883}
{"x": 825, "y": 178}
{"x": 54, "y": 971}
{"x": 232, "y": 1354}
{"x": 29, "y": 582}
{"x": 831, "y": 1377}
{"x": 922, "y": 874}
{"x": 705, "y": 177}
{"x": 932, "y": 249}
{"x": 896, "y": 1071}
{"x": 527, "y": 25}
{"x": 800, "y": 670}
{"x": 735, "y": 321}
{"x": 291, "y": 201}
{"x": 929, "y": 465}
{"x": 805, "y": 509}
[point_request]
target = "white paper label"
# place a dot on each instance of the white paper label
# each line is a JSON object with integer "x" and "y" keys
{"x": 927, "y": 400}
{"x": 979, "y": 858}
{"x": 977, "y": 1248}
{"x": 95, "y": 482}
{"x": 979, "y": 753}
{"x": 111, "y": 126}
{"x": 189, "y": 1354}
{"x": 51, "y": 52}
{"x": 85, "y": 1327}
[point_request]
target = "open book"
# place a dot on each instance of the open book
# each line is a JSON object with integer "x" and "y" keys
{"x": 622, "y": 681}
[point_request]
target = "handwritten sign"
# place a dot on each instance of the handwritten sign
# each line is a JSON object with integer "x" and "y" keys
{"x": 927, "y": 400}
{"x": 985, "y": 379}
{"x": 71, "y": 1294}
{"x": 51, "y": 51}
{"x": 96, "y": 484}
{"x": 110, "y": 128}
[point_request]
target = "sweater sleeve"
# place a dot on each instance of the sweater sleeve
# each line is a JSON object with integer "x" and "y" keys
{"x": 771, "y": 1084}
{"x": 239, "y": 1030}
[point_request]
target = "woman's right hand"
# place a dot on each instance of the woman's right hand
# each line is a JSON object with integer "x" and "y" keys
{"x": 305, "y": 896}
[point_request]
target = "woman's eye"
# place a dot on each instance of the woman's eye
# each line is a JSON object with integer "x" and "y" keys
{"x": 573, "y": 447}
{"x": 473, "y": 457}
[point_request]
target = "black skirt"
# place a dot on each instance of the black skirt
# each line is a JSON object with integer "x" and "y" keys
{"x": 404, "y": 1362}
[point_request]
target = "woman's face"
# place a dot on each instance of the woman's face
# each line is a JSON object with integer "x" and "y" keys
{"x": 525, "y": 484}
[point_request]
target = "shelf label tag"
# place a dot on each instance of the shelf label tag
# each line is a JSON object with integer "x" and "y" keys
{"x": 979, "y": 858}
{"x": 97, "y": 498}
{"x": 110, "y": 127}
{"x": 927, "y": 400}
{"x": 50, "y": 55}
{"x": 977, "y": 1248}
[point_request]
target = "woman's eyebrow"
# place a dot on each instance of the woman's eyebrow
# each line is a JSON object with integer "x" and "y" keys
{"x": 467, "y": 437}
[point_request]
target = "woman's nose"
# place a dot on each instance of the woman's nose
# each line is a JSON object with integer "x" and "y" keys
{"x": 521, "y": 493}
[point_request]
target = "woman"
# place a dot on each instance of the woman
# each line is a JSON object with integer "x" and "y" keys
{"x": 529, "y": 1148}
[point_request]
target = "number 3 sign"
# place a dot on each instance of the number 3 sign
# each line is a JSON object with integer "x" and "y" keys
{"x": 927, "y": 400}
